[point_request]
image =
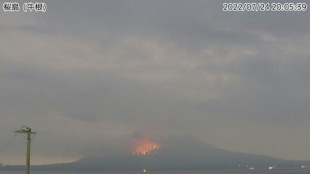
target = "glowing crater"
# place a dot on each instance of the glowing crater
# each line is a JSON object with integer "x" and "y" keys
{"x": 146, "y": 147}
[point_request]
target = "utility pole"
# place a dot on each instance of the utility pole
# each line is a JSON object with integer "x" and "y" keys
{"x": 27, "y": 130}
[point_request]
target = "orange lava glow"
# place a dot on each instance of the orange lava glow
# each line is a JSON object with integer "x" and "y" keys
{"x": 146, "y": 147}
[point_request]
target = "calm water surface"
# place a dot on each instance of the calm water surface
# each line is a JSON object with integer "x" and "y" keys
{"x": 168, "y": 172}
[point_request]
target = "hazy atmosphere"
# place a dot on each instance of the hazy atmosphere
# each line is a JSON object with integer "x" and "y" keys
{"x": 91, "y": 77}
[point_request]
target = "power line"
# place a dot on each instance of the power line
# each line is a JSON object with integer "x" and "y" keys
{"x": 7, "y": 144}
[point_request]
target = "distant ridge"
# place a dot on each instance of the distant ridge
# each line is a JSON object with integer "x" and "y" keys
{"x": 177, "y": 154}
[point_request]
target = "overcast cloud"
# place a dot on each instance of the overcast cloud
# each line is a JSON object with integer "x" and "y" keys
{"x": 86, "y": 74}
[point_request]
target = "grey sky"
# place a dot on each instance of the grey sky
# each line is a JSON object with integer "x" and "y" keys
{"x": 86, "y": 74}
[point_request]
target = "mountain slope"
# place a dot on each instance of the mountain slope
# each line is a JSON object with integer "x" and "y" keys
{"x": 176, "y": 154}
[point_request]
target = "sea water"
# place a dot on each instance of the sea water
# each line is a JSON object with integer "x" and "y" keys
{"x": 168, "y": 172}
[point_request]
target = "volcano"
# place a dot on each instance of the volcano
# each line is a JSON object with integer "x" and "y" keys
{"x": 179, "y": 153}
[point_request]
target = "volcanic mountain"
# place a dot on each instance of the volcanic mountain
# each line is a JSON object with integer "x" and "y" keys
{"x": 179, "y": 153}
